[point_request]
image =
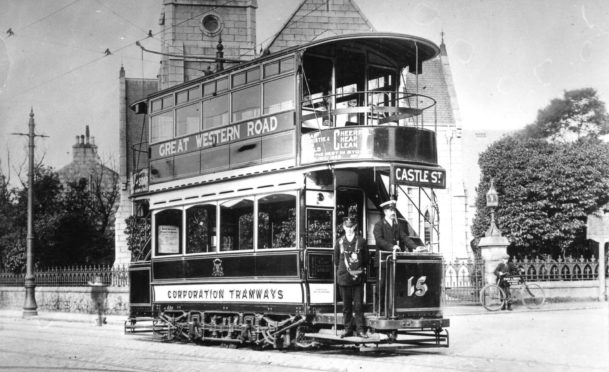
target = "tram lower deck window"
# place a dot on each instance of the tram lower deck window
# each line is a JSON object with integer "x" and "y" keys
{"x": 277, "y": 221}
{"x": 168, "y": 231}
{"x": 237, "y": 224}
{"x": 201, "y": 229}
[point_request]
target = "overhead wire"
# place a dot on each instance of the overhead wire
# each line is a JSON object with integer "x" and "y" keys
{"x": 46, "y": 16}
{"x": 136, "y": 42}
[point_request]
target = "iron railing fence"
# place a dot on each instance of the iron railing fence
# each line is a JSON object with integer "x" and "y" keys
{"x": 561, "y": 269}
{"x": 463, "y": 281}
{"x": 73, "y": 276}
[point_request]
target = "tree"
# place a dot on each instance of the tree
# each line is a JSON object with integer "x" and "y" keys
{"x": 579, "y": 114}
{"x": 546, "y": 191}
{"x": 72, "y": 222}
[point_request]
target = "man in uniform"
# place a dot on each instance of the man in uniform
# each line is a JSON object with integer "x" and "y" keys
{"x": 390, "y": 236}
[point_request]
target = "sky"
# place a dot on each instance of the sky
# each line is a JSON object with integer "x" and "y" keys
{"x": 508, "y": 60}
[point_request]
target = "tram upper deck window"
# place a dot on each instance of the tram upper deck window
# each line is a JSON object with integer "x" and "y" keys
{"x": 161, "y": 103}
{"x": 246, "y": 103}
{"x": 168, "y": 231}
{"x": 246, "y": 77}
{"x": 188, "y": 119}
{"x": 188, "y": 95}
{"x": 201, "y": 229}
{"x": 215, "y": 112}
{"x": 237, "y": 224}
{"x": 161, "y": 127}
{"x": 279, "y": 95}
{"x": 277, "y": 221}
{"x": 279, "y": 67}
{"x": 215, "y": 87}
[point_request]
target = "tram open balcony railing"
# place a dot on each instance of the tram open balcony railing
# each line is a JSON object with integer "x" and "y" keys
{"x": 368, "y": 108}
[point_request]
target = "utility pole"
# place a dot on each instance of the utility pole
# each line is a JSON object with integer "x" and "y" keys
{"x": 29, "y": 307}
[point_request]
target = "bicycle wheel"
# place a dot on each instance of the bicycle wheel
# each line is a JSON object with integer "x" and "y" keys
{"x": 491, "y": 297}
{"x": 532, "y": 295}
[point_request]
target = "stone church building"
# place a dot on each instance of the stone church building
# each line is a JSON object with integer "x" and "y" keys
{"x": 194, "y": 32}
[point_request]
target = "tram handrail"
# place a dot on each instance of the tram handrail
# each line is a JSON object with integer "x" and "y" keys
{"x": 386, "y": 104}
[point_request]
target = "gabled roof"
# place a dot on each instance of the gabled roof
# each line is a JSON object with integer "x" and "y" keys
{"x": 315, "y": 19}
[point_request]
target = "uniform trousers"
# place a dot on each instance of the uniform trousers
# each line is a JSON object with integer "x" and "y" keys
{"x": 353, "y": 301}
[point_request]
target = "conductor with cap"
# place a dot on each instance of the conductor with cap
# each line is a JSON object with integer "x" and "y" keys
{"x": 351, "y": 257}
{"x": 390, "y": 236}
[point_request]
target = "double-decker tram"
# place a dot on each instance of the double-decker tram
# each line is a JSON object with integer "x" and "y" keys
{"x": 251, "y": 171}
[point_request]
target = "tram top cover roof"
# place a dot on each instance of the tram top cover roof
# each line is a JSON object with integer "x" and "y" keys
{"x": 404, "y": 50}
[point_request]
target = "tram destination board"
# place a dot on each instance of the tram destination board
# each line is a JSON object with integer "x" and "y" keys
{"x": 419, "y": 176}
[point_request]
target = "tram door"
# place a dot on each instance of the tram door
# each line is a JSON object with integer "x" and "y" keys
{"x": 350, "y": 202}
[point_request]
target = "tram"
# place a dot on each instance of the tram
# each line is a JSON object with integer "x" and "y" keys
{"x": 251, "y": 171}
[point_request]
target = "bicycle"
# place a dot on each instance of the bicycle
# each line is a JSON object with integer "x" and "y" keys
{"x": 493, "y": 297}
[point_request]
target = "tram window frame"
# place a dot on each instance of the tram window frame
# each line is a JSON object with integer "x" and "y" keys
{"x": 184, "y": 109}
{"x": 170, "y": 115}
{"x": 179, "y": 217}
{"x": 274, "y": 92}
{"x": 211, "y": 122}
{"x": 227, "y": 228}
{"x": 215, "y": 87}
{"x": 244, "y": 95}
{"x": 288, "y": 217}
{"x": 245, "y": 77}
{"x": 211, "y": 238}
{"x": 162, "y": 103}
{"x": 320, "y": 227}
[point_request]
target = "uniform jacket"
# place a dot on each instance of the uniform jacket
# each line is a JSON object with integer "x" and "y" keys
{"x": 387, "y": 236}
{"x": 351, "y": 259}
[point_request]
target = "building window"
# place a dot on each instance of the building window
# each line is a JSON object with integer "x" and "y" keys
{"x": 201, "y": 229}
{"x": 237, "y": 224}
{"x": 246, "y": 103}
{"x": 211, "y": 24}
{"x": 161, "y": 127}
{"x": 277, "y": 221}
{"x": 168, "y": 232}
{"x": 279, "y": 95}
{"x": 188, "y": 119}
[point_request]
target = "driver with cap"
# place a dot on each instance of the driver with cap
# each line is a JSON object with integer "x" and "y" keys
{"x": 390, "y": 236}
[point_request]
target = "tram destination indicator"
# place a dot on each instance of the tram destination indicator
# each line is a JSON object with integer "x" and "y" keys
{"x": 419, "y": 176}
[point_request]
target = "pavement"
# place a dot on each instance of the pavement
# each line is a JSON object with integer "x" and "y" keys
{"x": 449, "y": 312}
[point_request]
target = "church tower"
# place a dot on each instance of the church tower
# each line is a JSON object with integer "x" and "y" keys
{"x": 195, "y": 32}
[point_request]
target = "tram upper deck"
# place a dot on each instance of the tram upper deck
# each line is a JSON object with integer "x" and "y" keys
{"x": 334, "y": 100}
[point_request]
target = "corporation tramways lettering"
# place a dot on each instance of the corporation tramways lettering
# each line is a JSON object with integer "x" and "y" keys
{"x": 231, "y": 294}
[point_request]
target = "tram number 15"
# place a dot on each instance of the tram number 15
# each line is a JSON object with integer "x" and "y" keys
{"x": 419, "y": 288}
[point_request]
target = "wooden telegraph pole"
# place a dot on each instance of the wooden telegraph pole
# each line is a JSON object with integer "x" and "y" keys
{"x": 30, "y": 307}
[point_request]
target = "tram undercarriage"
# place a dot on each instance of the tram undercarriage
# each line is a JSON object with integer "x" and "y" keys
{"x": 281, "y": 331}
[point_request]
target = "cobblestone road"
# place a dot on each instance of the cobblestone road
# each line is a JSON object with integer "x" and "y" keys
{"x": 557, "y": 340}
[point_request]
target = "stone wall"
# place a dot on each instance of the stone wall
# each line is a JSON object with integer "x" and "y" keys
{"x": 69, "y": 299}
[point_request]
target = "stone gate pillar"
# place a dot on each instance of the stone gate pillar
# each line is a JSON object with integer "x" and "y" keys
{"x": 492, "y": 249}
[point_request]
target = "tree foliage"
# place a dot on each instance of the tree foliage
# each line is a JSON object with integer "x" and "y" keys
{"x": 546, "y": 190}
{"x": 70, "y": 222}
{"x": 578, "y": 114}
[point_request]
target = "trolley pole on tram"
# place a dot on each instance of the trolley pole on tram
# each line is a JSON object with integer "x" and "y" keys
{"x": 29, "y": 306}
